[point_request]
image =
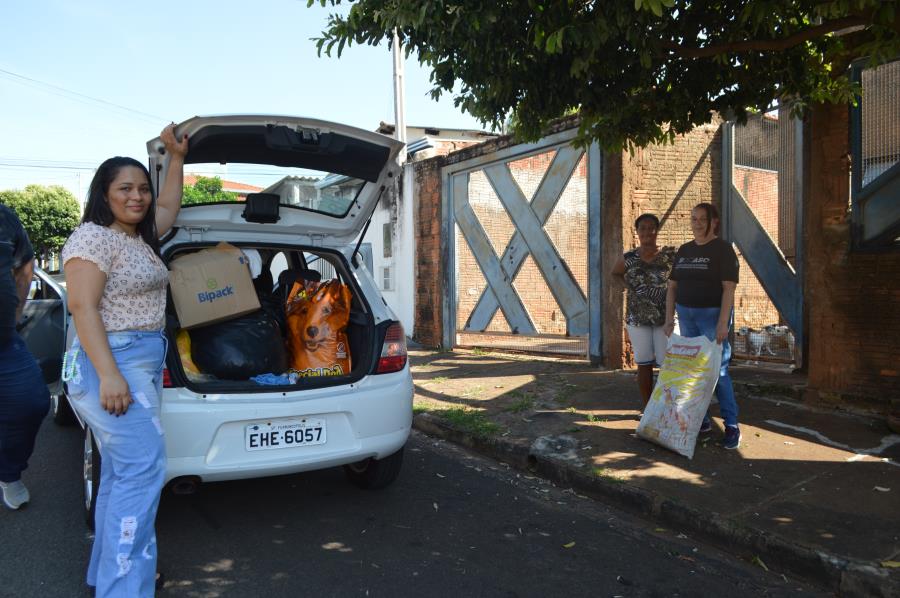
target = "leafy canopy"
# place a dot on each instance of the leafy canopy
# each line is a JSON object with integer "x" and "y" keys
{"x": 49, "y": 215}
{"x": 206, "y": 190}
{"x": 638, "y": 71}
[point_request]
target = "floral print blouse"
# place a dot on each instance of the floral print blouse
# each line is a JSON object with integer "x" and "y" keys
{"x": 646, "y": 303}
{"x": 134, "y": 297}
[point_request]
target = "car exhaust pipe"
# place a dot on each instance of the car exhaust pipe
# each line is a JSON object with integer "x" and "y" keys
{"x": 185, "y": 485}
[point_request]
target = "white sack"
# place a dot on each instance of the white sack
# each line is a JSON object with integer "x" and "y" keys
{"x": 683, "y": 391}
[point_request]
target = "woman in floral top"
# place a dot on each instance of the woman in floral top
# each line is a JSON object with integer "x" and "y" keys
{"x": 117, "y": 295}
{"x": 646, "y": 271}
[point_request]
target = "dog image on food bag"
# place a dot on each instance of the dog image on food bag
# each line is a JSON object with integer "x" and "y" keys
{"x": 317, "y": 316}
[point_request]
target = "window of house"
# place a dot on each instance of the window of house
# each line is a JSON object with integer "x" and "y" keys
{"x": 387, "y": 231}
{"x": 387, "y": 278}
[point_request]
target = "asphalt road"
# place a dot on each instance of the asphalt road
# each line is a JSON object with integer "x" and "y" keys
{"x": 453, "y": 525}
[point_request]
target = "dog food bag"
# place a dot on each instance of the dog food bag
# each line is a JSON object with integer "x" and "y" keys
{"x": 683, "y": 392}
{"x": 317, "y": 316}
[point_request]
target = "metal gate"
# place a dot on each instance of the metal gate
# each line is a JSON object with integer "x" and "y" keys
{"x": 521, "y": 241}
{"x": 875, "y": 142}
{"x": 762, "y": 194}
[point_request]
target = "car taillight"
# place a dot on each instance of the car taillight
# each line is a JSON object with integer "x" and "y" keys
{"x": 393, "y": 351}
{"x": 167, "y": 378}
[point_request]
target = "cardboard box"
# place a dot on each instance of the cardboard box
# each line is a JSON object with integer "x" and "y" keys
{"x": 212, "y": 285}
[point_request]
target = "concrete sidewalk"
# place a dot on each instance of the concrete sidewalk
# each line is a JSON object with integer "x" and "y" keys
{"x": 814, "y": 492}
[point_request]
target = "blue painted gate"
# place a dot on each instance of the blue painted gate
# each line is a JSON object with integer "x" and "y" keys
{"x": 762, "y": 194}
{"x": 521, "y": 244}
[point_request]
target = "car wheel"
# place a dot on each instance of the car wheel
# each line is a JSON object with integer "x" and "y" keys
{"x": 62, "y": 411}
{"x": 91, "y": 476}
{"x": 374, "y": 474}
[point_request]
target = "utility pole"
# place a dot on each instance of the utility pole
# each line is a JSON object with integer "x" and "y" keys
{"x": 399, "y": 95}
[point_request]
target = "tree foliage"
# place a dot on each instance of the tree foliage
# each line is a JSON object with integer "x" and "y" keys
{"x": 639, "y": 71}
{"x": 49, "y": 215}
{"x": 206, "y": 190}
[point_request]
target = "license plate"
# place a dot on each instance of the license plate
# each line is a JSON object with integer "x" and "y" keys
{"x": 284, "y": 433}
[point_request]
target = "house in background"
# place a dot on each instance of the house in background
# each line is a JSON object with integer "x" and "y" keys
{"x": 391, "y": 233}
{"x": 242, "y": 189}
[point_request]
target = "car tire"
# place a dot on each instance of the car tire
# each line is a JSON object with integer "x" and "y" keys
{"x": 374, "y": 474}
{"x": 90, "y": 476}
{"x": 61, "y": 410}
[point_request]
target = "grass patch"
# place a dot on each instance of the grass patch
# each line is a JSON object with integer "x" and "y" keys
{"x": 436, "y": 380}
{"x": 479, "y": 351}
{"x": 607, "y": 474}
{"x": 564, "y": 394}
{"x": 469, "y": 420}
{"x": 524, "y": 404}
{"x": 473, "y": 392}
{"x": 418, "y": 408}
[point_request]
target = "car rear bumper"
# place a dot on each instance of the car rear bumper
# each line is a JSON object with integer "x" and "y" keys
{"x": 205, "y": 434}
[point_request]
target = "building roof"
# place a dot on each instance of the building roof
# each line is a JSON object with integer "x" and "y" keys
{"x": 233, "y": 186}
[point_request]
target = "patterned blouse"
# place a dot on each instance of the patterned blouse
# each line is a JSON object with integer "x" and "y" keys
{"x": 646, "y": 304}
{"x": 134, "y": 297}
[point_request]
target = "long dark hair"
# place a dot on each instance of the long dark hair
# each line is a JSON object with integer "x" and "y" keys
{"x": 97, "y": 208}
{"x": 712, "y": 213}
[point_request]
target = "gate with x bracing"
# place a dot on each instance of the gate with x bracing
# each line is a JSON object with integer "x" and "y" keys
{"x": 521, "y": 237}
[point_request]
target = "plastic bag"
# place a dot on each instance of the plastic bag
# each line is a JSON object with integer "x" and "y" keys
{"x": 317, "y": 316}
{"x": 241, "y": 348}
{"x": 683, "y": 391}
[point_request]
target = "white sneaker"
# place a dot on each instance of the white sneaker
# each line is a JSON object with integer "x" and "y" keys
{"x": 15, "y": 494}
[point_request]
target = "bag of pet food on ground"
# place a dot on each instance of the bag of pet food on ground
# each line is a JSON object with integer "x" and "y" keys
{"x": 317, "y": 316}
{"x": 683, "y": 391}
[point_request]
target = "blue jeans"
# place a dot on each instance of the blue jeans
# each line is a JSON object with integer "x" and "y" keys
{"x": 701, "y": 321}
{"x": 133, "y": 457}
{"x": 24, "y": 402}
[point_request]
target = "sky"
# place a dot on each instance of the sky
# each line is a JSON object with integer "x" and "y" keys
{"x": 83, "y": 81}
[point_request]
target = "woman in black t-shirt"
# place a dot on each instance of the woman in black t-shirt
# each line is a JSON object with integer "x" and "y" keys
{"x": 701, "y": 290}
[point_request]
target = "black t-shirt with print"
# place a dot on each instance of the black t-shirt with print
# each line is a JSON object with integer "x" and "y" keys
{"x": 15, "y": 250}
{"x": 699, "y": 271}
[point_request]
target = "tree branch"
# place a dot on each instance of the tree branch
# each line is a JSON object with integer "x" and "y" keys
{"x": 767, "y": 45}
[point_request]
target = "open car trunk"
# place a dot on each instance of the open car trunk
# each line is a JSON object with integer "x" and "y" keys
{"x": 256, "y": 352}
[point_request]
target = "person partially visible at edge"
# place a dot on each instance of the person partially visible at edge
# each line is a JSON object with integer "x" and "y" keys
{"x": 645, "y": 271}
{"x": 24, "y": 399}
{"x": 117, "y": 295}
{"x": 701, "y": 291}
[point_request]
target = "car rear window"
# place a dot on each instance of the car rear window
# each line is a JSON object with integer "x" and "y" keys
{"x": 313, "y": 190}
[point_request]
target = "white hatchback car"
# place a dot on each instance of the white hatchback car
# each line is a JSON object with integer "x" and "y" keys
{"x": 320, "y": 184}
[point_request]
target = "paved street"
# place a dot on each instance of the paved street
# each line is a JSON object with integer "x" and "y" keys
{"x": 453, "y": 525}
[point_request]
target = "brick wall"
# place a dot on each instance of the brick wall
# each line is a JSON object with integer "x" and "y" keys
{"x": 666, "y": 180}
{"x": 852, "y": 298}
{"x": 427, "y": 219}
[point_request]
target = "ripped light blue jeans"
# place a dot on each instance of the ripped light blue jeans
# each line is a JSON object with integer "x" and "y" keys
{"x": 133, "y": 457}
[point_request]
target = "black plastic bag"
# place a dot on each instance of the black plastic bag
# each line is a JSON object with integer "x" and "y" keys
{"x": 240, "y": 348}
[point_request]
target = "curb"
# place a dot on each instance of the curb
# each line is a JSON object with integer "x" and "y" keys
{"x": 847, "y": 577}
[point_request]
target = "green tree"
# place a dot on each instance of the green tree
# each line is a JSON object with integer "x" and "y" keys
{"x": 49, "y": 215}
{"x": 638, "y": 71}
{"x": 206, "y": 190}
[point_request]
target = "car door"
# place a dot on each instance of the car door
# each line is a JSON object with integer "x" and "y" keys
{"x": 43, "y": 326}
